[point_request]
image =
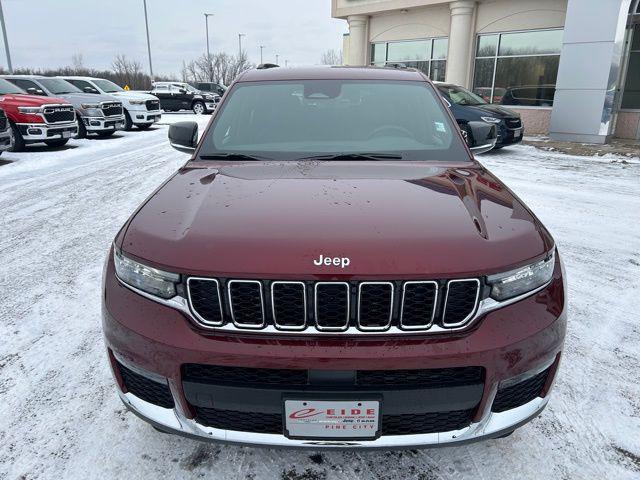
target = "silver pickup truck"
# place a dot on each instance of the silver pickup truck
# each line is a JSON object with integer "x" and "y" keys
{"x": 97, "y": 114}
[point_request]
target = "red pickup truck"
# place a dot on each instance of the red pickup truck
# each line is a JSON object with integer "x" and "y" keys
{"x": 35, "y": 118}
{"x": 333, "y": 268}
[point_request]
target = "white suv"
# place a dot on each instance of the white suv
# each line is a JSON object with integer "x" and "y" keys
{"x": 140, "y": 109}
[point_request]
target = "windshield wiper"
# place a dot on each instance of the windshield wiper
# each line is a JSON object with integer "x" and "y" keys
{"x": 232, "y": 156}
{"x": 355, "y": 156}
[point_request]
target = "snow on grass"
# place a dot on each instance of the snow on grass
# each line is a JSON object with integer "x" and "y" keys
{"x": 59, "y": 413}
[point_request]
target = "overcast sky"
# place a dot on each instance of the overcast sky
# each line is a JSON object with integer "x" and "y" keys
{"x": 46, "y": 33}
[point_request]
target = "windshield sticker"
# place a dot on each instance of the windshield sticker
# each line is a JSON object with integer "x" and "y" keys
{"x": 440, "y": 127}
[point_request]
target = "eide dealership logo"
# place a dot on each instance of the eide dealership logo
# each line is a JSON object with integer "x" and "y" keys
{"x": 341, "y": 262}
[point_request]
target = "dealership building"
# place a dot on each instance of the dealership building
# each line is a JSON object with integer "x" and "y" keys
{"x": 571, "y": 68}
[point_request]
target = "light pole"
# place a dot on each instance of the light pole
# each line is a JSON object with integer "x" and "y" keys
{"x": 240, "y": 35}
{"x": 146, "y": 22}
{"x": 6, "y": 43}
{"x": 261, "y": 47}
{"x": 206, "y": 25}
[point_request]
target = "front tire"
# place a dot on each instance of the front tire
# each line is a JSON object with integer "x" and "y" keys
{"x": 82, "y": 131}
{"x": 17, "y": 142}
{"x": 198, "y": 108}
{"x": 58, "y": 142}
{"x": 128, "y": 124}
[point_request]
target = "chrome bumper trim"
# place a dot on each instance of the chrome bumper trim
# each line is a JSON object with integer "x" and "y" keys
{"x": 45, "y": 127}
{"x": 119, "y": 119}
{"x": 492, "y": 425}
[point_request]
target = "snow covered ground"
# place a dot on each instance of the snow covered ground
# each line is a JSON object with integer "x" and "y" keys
{"x": 59, "y": 414}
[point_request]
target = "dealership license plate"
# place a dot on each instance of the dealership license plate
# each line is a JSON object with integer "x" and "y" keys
{"x": 517, "y": 132}
{"x": 332, "y": 419}
{"x": 68, "y": 134}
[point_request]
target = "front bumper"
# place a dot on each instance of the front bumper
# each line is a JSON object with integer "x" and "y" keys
{"x": 491, "y": 425}
{"x": 210, "y": 106}
{"x": 517, "y": 341}
{"x": 101, "y": 124}
{"x": 39, "y": 132}
{"x": 145, "y": 117}
{"x": 509, "y": 136}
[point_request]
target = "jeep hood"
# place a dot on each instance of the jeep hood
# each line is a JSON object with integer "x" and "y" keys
{"x": 391, "y": 219}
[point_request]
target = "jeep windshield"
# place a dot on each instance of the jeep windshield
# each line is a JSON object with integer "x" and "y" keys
{"x": 57, "y": 86}
{"x": 108, "y": 86}
{"x": 334, "y": 119}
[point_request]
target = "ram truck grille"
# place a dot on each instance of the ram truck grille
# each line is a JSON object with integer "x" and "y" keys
{"x": 111, "y": 109}
{"x": 152, "y": 104}
{"x": 333, "y": 306}
{"x": 59, "y": 114}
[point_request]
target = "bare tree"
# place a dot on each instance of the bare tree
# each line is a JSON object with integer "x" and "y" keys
{"x": 331, "y": 57}
{"x": 77, "y": 62}
{"x": 129, "y": 72}
{"x": 218, "y": 67}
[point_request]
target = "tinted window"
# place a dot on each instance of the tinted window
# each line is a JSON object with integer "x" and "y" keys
{"x": 534, "y": 75}
{"x": 108, "y": 86}
{"x": 82, "y": 84}
{"x": 289, "y": 120}
{"x": 26, "y": 84}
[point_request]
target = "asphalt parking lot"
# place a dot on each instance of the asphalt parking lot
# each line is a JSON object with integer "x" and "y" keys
{"x": 59, "y": 413}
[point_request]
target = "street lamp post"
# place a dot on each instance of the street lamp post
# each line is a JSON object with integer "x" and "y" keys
{"x": 261, "y": 48}
{"x": 6, "y": 43}
{"x": 146, "y": 22}
{"x": 206, "y": 25}
{"x": 240, "y": 35}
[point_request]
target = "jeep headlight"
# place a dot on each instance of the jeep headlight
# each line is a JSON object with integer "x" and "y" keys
{"x": 521, "y": 280}
{"x": 148, "y": 279}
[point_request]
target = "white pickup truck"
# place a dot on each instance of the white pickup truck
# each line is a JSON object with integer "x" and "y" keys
{"x": 140, "y": 109}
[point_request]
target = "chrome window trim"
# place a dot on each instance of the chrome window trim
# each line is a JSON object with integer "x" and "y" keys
{"x": 375, "y": 329}
{"x": 446, "y": 299}
{"x": 427, "y": 326}
{"x": 181, "y": 304}
{"x": 315, "y": 307}
{"x": 247, "y": 326}
{"x": 273, "y": 306}
{"x": 200, "y": 318}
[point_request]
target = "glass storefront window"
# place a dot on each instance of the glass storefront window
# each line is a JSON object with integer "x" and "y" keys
{"x": 631, "y": 94}
{"x": 428, "y": 55}
{"x": 408, "y": 51}
{"x": 518, "y": 68}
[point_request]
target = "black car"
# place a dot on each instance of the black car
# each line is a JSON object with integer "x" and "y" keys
{"x": 175, "y": 96}
{"x": 211, "y": 87}
{"x": 467, "y": 107}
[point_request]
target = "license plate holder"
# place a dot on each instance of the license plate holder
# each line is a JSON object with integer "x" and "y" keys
{"x": 323, "y": 419}
{"x": 517, "y": 133}
{"x": 67, "y": 134}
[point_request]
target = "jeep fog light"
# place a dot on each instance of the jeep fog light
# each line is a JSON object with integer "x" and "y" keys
{"x": 148, "y": 279}
{"x": 522, "y": 280}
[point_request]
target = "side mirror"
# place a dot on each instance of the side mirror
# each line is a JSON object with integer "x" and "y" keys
{"x": 34, "y": 91}
{"x": 183, "y": 136}
{"x": 480, "y": 136}
{"x": 182, "y": 90}
{"x": 90, "y": 90}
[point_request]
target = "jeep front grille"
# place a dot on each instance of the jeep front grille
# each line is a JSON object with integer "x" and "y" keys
{"x": 59, "y": 113}
{"x": 111, "y": 109}
{"x": 297, "y": 306}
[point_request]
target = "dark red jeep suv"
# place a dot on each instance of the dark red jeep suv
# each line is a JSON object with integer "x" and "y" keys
{"x": 333, "y": 268}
